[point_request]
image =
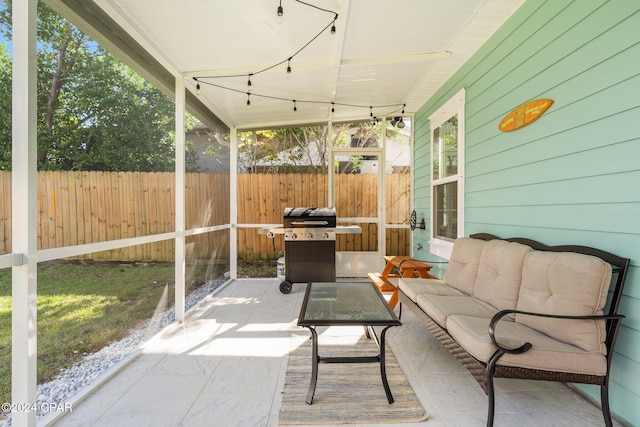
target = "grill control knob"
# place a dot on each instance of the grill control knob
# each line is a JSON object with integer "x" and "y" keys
{"x": 325, "y": 235}
{"x": 309, "y": 236}
{"x": 294, "y": 236}
{"x": 270, "y": 235}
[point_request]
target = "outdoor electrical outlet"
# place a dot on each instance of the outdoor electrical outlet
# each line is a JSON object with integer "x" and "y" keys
{"x": 419, "y": 246}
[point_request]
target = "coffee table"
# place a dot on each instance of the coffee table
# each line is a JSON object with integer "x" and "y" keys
{"x": 346, "y": 304}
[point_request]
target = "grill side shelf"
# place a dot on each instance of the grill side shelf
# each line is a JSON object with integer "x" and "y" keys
{"x": 341, "y": 229}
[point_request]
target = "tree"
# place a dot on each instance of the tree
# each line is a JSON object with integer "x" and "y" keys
{"x": 94, "y": 113}
{"x": 5, "y": 108}
{"x": 296, "y": 149}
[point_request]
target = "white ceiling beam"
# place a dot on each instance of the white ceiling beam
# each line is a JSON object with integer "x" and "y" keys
{"x": 395, "y": 59}
{"x": 341, "y": 25}
{"x": 335, "y": 63}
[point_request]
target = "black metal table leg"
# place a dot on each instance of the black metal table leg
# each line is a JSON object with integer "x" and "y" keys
{"x": 314, "y": 365}
{"x": 383, "y": 367}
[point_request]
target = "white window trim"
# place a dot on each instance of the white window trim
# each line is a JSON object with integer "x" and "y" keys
{"x": 453, "y": 106}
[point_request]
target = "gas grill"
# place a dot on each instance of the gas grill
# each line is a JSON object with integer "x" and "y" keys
{"x": 309, "y": 244}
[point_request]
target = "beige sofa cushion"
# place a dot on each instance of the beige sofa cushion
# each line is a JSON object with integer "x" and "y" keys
{"x": 565, "y": 284}
{"x": 412, "y": 287}
{"x": 440, "y": 307}
{"x": 463, "y": 265}
{"x": 548, "y": 354}
{"x": 500, "y": 273}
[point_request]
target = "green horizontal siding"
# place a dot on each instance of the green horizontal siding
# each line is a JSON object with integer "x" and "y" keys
{"x": 572, "y": 176}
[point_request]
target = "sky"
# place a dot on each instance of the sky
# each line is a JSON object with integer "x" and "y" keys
{"x": 4, "y": 40}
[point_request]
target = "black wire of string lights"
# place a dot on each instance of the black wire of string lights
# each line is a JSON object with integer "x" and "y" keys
{"x": 249, "y": 92}
{"x": 296, "y": 102}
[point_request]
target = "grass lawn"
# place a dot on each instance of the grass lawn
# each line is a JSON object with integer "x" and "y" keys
{"x": 82, "y": 308}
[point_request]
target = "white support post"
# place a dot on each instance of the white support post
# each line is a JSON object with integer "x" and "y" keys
{"x": 382, "y": 197}
{"x": 180, "y": 200}
{"x": 233, "y": 203}
{"x": 23, "y": 211}
{"x": 331, "y": 175}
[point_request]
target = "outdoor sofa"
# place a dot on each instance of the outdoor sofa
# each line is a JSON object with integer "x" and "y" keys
{"x": 516, "y": 308}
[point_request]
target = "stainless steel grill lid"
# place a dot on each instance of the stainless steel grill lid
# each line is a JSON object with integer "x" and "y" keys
{"x": 309, "y": 217}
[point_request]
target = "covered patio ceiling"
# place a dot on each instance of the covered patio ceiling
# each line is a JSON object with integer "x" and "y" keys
{"x": 387, "y": 56}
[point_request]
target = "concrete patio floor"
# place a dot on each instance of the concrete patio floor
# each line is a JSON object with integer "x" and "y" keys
{"x": 224, "y": 366}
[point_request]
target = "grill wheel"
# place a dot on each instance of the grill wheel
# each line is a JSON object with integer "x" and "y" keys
{"x": 285, "y": 287}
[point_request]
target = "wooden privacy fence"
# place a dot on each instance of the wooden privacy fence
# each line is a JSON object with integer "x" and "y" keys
{"x": 263, "y": 197}
{"x": 75, "y": 208}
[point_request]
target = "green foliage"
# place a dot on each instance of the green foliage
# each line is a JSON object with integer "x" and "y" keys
{"x": 94, "y": 113}
{"x": 295, "y": 149}
{"x": 5, "y": 108}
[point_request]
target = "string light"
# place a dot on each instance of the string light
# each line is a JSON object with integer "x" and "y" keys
{"x": 332, "y": 35}
{"x": 280, "y": 16}
{"x": 280, "y": 12}
{"x": 395, "y": 107}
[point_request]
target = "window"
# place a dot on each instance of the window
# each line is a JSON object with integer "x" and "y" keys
{"x": 447, "y": 168}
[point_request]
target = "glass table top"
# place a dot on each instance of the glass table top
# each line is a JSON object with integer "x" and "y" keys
{"x": 345, "y": 303}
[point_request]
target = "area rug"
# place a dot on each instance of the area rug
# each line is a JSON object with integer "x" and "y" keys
{"x": 350, "y": 393}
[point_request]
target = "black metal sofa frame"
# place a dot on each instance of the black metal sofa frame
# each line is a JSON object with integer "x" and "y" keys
{"x": 484, "y": 373}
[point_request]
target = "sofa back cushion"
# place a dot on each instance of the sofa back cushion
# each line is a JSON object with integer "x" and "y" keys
{"x": 463, "y": 265}
{"x": 500, "y": 273}
{"x": 565, "y": 283}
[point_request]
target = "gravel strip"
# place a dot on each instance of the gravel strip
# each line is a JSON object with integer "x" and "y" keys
{"x": 54, "y": 393}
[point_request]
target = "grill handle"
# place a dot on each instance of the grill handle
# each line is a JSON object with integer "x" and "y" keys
{"x": 310, "y": 223}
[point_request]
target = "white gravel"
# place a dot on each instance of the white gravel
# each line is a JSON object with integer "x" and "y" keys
{"x": 72, "y": 380}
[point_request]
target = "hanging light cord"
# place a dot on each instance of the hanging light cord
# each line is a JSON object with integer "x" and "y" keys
{"x": 397, "y": 107}
{"x": 289, "y": 58}
{"x": 199, "y": 80}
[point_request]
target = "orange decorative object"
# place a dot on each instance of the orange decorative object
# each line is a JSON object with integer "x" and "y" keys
{"x": 524, "y": 114}
{"x": 407, "y": 266}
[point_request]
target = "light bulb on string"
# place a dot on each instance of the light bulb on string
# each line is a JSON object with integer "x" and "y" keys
{"x": 280, "y": 14}
{"x": 333, "y": 31}
{"x": 397, "y": 121}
